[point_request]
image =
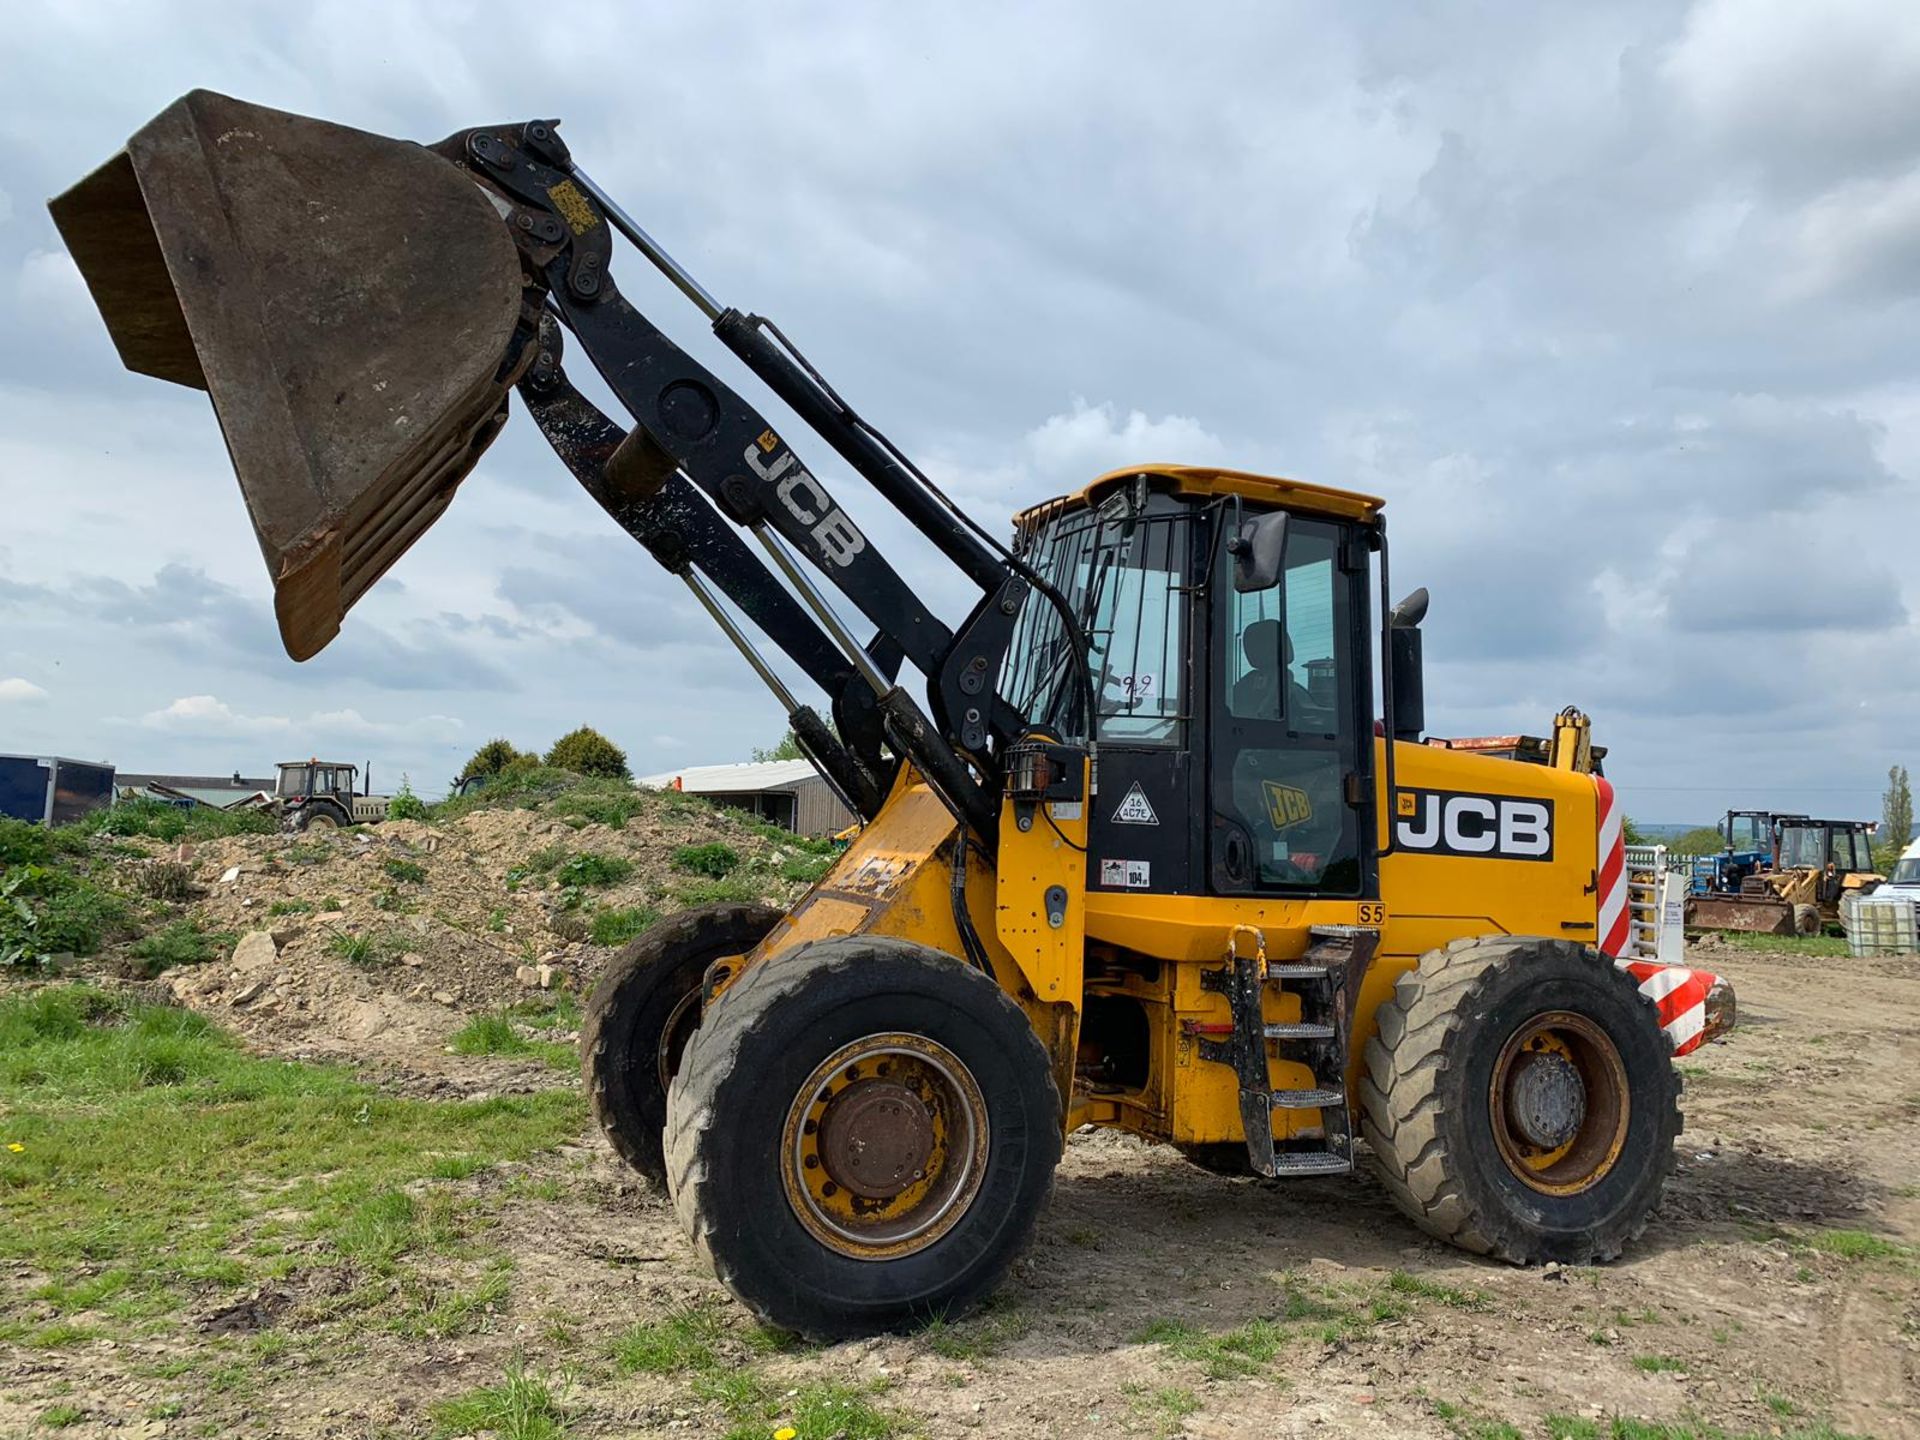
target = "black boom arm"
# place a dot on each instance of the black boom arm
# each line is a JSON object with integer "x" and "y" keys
{"x": 698, "y": 445}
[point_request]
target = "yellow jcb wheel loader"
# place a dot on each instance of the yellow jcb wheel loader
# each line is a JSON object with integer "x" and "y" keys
{"x": 1139, "y": 855}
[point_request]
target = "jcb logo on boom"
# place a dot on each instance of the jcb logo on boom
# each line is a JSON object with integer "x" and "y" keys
{"x": 1453, "y": 822}
{"x": 832, "y": 531}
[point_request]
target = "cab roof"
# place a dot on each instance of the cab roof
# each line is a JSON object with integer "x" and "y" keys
{"x": 1206, "y": 480}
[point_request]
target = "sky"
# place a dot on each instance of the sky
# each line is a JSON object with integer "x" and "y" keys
{"x": 1613, "y": 303}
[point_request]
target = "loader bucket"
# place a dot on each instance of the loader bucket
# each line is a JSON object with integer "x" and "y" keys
{"x": 348, "y": 302}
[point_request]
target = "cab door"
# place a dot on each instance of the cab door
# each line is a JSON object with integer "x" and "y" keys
{"x": 1290, "y": 752}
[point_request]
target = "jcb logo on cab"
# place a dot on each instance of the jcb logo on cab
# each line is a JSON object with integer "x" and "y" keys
{"x": 1454, "y": 822}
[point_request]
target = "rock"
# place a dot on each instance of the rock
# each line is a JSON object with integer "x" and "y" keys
{"x": 365, "y": 1021}
{"x": 257, "y": 950}
{"x": 249, "y": 992}
{"x": 229, "y": 875}
{"x": 526, "y": 975}
{"x": 284, "y": 934}
{"x": 550, "y": 976}
{"x": 412, "y": 961}
{"x": 420, "y": 923}
{"x": 444, "y": 997}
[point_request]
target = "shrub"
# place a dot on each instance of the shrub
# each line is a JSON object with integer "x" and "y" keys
{"x": 46, "y": 912}
{"x": 496, "y": 756}
{"x": 592, "y": 868}
{"x": 714, "y": 860}
{"x": 405, "y": 805}
{"x": 23, "y": 843}
{"x": 164, "y": 879}
{"x": 181, "y": 943}
{"x": 587, "y": 752}
{"x": 407, "y": 872}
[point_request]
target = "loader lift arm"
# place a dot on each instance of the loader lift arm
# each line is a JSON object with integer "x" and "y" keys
{"x": 690, "y": 423}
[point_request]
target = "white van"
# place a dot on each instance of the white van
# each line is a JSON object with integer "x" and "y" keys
{"x": 1905, "y": 879}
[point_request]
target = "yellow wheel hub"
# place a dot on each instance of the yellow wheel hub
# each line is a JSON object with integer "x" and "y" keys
{"x": 885, "y": 1146}
{"x": 1560, "y": 1103}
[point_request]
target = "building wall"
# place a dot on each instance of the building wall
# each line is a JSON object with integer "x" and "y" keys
{"x": 817, "y": 810}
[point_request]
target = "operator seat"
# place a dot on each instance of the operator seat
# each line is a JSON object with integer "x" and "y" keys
{"x": 1256, "y": 695}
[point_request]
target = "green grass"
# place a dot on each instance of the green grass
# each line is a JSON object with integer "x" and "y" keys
{"x": 735, "y": 889}
{"x": 978, "y": 1336}
{"x": 1784, "y": 944}
{"x": 523, "y": 1406}
{"x": 1658, "y": 1364}
{"x": 590, "y": 869}
{"x": 404, "y": 872}
{"x": 180, "y": 942}
{"x": 496, "y": 1034}
{"x": 1162, "y": 1409}
{"x": 154, "y": 820}
{"x": 59, "y": 1417}
{"x": 369, "y": 952}
{"x": 161, "y": 1163}
{"x": 1402, "y": 1283}
{"x": 806, "y": 869}
{"x": 617, "y": 927}
{"x": 290, "y": 907}
{"x": 714, "y": 860}
{"x": 687, "y": 1339}
{"x": 1855, "y": 1245}
{"x": 1244, "y": 1350}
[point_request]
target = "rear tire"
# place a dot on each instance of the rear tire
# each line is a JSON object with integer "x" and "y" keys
{"x": 1806, "y": 920}
{"x": 1467, "y": 1089}
{"x": 309, "y": 818}
{"x": 924, "y": 1068}
{"x": 641, "y": 1015}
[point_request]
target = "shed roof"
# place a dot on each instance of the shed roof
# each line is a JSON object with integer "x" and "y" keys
{"x": 746, "y": 778}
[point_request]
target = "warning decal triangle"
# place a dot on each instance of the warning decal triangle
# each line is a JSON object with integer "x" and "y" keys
{"x": 1135, "y": 808}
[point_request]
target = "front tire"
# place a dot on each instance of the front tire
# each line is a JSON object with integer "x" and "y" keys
{"x": 862, "y": 1136}
{"x": 641, "y": 1014}
{"x": 1520, "y": 1100}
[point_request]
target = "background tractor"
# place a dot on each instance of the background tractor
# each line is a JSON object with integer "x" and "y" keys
{"x": 1140, "y": 854}
{"x": 323, "y": 794}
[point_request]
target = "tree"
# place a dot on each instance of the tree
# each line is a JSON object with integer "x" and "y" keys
{"x": 1896, "y": 818}
{"x": 787, "y": 749}
{"x": 587, "y": 752}
{"x": 495, "y": 756}
{"x": 1702, "y": 840}
{"x": 1631, "y": 833}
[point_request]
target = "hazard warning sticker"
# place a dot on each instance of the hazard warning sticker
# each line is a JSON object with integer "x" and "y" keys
{"x": 1126, "y": 874}
{"x": 1135, "y": 808}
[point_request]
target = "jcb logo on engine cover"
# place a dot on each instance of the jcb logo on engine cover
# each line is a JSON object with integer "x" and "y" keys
{"x": 803, "y": 499}
{"x": 1453, "y": 822}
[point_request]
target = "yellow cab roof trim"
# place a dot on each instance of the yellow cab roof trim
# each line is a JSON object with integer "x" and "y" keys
{"x": 1205, "y": 480}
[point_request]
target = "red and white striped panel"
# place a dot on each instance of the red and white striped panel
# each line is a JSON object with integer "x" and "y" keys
{"x": 1680, "y": 993}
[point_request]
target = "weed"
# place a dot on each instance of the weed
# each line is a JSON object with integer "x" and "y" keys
{"x": 405, "y": 872}
{"x": 497, "y": 919}
{"x": 590, "y": 868}
{"x": 1226, "y": 1356}
{"x": 687, "y": 1339}
{"x": 806, "y": 869}
{"x": 713, "y": 860}
{"x": 1854, "y": 1245}
{"x": 985, "y": 1334}
{"x": 49, "y": 910}
{"x": 841, "y": 1412}
{"x": 332, "y": 902}
{"x": 735, "y": 889}
{"x": 524, "y": 1406}
{"x": 440, "y": 1313}
{"x": 290, "y": 907}
{"x": 1658, "y": 1364}
{"x": 1787, "y": 944}
{"x": 496, "y": 1034}
{"x": 1405, "y": 1284}
{"x": 1164, "y": 1408}
{"x": 58, "y": 1417}
{"x": 1571, "y": 1427}
{"x": 369, "y": 952}
{"x": 156, "y": 820}
{"x": 164, "y": 880}
{"x": 617, "y": 927}
{"x": 182, "y": 942}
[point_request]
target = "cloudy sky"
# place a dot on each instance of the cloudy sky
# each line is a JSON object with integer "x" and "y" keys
{"x": 1614, "y": 303}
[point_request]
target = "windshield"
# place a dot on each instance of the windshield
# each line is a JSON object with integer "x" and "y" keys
{"x": 293, "y": 781}
{"x": 1122, "y": 568}
{"x": 1906, "y": 871}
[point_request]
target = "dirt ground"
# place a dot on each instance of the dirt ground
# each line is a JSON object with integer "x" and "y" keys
{"x": 1761, "y": 1301}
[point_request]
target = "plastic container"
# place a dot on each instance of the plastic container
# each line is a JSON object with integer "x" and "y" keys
{"x": 1883, "y": 925}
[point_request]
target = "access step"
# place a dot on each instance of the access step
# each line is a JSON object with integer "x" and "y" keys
{"x": 1307, "y": 1099}
{"x": 1297, "y": 1030}
{"x": 1310, "y": 1162}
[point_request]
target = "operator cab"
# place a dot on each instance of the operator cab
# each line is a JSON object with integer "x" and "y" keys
{"x": 1246, "y": 705}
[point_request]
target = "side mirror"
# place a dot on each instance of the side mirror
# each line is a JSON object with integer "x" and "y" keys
{"x": 1259, "y": 551}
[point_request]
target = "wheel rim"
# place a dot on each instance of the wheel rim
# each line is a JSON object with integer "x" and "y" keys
{"x": 682, "y": 1021}
{"x": 885, "y": 1146}
{"x": 1560, "y": 1103}
{"x": 319, "y": 819}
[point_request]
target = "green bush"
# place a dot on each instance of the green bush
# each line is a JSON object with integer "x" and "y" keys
{"x": 407, "y": 872}
{"x": 405, "y": 805}
{"x": 46, "y": 911}
{"x": 617, "y": 927}
{"x": 23, "y": 843}
{"x": 587, "y": 752}
{"x": 715, "y": 859}
{"x": 592, "y": 868}
{"x": 181, "y": 943}
{"x": 496, "y": 756}
{"x": 806, "y": 869}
